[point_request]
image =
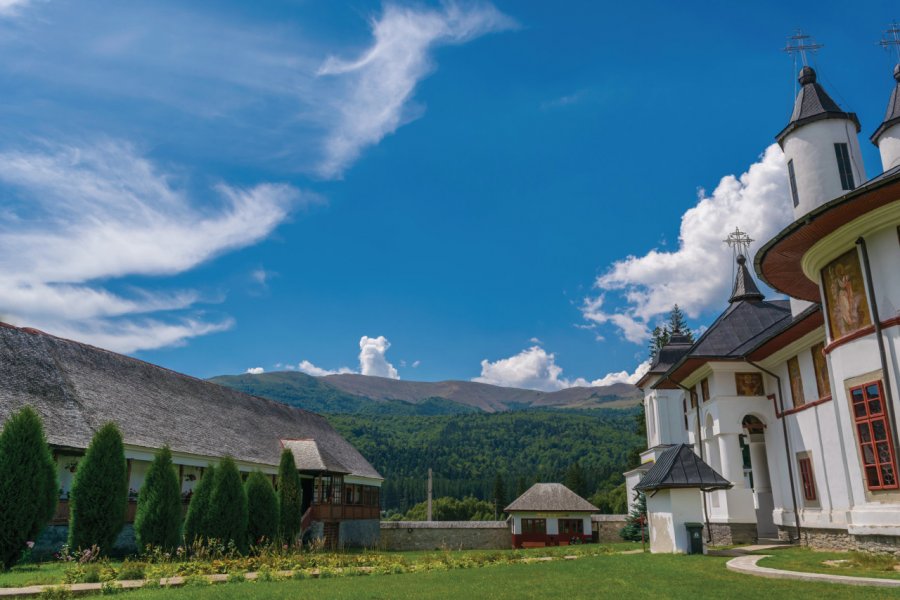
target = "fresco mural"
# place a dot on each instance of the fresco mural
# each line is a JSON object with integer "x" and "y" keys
{"x": 749, "y": 384}
{"x": 845, "y": 295}
{"x": 793, "y": 366}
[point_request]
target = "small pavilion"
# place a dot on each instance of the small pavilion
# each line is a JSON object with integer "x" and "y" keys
{"x": 550, "y": 514}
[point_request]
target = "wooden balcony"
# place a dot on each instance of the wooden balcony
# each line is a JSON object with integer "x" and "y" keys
{"x": 343, "y": 512}
{"x": 61, "y": 516}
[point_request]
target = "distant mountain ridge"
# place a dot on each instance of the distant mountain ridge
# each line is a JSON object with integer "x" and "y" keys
{"x": 350, "y": 393}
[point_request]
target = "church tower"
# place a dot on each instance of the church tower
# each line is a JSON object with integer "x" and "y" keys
{"x": 821, "y": 147}
{"x": 820, "y": 141}
{"x": 887, "y": 136}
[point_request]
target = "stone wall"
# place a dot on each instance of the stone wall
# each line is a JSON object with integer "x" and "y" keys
{"x": 728, "y": 534}
{"x": 608, "y": 527}
{"x": 839, "y": 539}
{"x": 362, "y": 533}
{"x": 453, "y": 535}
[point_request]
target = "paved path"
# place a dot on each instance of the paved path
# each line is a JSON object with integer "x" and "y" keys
{"x": 747, "y": 565}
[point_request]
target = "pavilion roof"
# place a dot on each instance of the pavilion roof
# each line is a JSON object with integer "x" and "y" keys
{"x": 551, "y": 497}
{"x": 680, "y": 467}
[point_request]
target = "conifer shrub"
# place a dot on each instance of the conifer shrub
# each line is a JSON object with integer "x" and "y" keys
{"x": 635, "y": 528}
{"x": 290, "y": 498}
{"x": 262, "y": 509}
{"x": 195, "y": 522}
{"x": 28, "y": 484}
{"x": 158, "y": 519}
{"x": 99, "y": 492}
{"x": 227, "y": 514}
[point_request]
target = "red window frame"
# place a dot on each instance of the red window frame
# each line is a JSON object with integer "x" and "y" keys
{"x": 538, "y": 526}
{"x": 873, "y": 435}
{"x": 808, "y": 478}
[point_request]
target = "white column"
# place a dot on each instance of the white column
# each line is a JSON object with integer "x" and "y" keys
{"x": 759, "y": 464}
{"x": 732, "y": 461}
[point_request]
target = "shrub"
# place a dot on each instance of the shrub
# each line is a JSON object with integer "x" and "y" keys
{"x": 195, "y": 521}
{"x": 290, "y": 498}
{"x": 262, "y": 509}
{"x": 99, "y": 492}
{"x": 28, "y": 484}
{"x": 158, "y": 518}
{"x": 227, "y": 513}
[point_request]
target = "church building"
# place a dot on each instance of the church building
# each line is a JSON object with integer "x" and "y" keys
{"x": 795, "y": 401}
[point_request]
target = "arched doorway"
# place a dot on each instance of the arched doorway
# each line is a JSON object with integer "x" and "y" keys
{"x": 753, "y": 442}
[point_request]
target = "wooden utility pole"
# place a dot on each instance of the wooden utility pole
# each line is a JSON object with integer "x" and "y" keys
{"x": 429, "y": 494}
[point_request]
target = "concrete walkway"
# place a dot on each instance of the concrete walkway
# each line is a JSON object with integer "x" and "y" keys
{"x": 747, "y": 565}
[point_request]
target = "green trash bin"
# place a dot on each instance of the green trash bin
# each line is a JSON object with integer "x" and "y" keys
{"x": 695, "y": 537}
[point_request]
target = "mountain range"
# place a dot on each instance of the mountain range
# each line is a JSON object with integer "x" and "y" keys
{"x": 350, "y": 393}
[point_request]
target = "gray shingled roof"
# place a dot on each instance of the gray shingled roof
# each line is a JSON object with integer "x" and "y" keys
{"x": 680, "y": 467}
{"x": 813, "y": 104}
{"x": 671, "y": 353}
{"x": 744, "y": 287}
{"x": 741, "y": 327}
{"x": 550, "y": 497}
{"x": 309, "y": 456}
{"x": 892, "y": 115}
{"x": 76, "y": 388}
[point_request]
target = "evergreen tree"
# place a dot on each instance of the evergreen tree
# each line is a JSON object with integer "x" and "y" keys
{"x": 158, "y": 519}
{"x": 290, "y": 498}
{"x": 195, "y": 523}
{"x": 499, "y": 494}
{"x": 521, "y": 487}
{"x": 262, "y": 509}
{"x": 638, "y": 515}
{"x": 575, "y": 479}
{"x": 678, "y": 324}
{"x": 226, "y": 518}
{"x": 658, "y": 339}
{"x": 28, "y": 484}
{"x": 99, "y": 492}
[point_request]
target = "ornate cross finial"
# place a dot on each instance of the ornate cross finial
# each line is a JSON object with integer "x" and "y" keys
{"x": 801, "y": 43}
{"x": 892, "y": 38}
{"x": 739, "y": 242}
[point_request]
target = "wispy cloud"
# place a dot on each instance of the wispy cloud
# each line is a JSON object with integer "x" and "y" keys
{"x": 377, "y": 87}
{"x": 696, "y": 275}
{"x": 11, "y": 8}
{"x": 79, "y": 216}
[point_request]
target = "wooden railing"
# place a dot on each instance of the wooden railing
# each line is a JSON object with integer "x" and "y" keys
{"x": 338, "y": 512}
{"x": 306, "y": 520}
{"x": 61, "y": 516}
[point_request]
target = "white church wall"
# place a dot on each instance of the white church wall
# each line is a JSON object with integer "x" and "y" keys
{"x": 889, "y": 147}
{"x": 884, "y": 257}
{"x": 667, "y": 513}
{"x": 811, "y": 147}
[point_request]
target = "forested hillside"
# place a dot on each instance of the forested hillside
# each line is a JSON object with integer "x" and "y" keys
{"x": 467, "y": 452}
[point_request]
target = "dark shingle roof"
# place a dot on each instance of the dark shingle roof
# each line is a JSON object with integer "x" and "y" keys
{"x": 76, "y": 388}
{"x": 813, "y": 104}
{"x": 550, "y": 497}
{"x": 741, "y": 327}
{"x": 892, "y": 115}
{"x": 668, "y": 355}
{"x": 680, "y": 467}
{"x": 744, "y": 287}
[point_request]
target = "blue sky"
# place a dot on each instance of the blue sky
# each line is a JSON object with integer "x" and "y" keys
{"x": 509, "y": 191}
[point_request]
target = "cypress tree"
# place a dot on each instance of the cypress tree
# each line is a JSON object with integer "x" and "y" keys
{"x": 28, "y": 484}
{"x": 99, "y": 492}
{"x": 158, "y": 518}
{"x": 262, "y": 509}
{"x": 227, "y": 514}
{"x": 290, "y": 498}
{"x": 195, "y": 521}
{"x": 499, "y": 495}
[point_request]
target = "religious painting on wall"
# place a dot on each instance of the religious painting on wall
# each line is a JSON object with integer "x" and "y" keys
{"x": 845, "y": 295}
{"x": 704, "y": 389}
{"x": 823, "y": 384}
{"x": 793, "y": 367}
{"x": 749, "y": 384}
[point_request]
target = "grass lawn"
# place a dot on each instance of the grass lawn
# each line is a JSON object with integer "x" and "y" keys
{"x": 33, "y": 574}
{"x": 812, "y": 561}
{"x": 612, "y": 576}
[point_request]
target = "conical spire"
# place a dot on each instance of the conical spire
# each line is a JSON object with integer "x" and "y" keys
{"x": 892, "y": 115}
{"x": 813, "y": 104}
{"x": 744, "y": 286}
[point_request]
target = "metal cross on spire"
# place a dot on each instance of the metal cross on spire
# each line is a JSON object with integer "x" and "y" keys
{"x": 739, "y": 242}
{"x": 892, "y": 38}
{"x": 801, "y": 43}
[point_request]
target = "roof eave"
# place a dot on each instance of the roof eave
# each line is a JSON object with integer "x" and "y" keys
{"x": 794, "y": 125}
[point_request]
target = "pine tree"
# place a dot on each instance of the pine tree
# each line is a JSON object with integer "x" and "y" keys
{"x": 678, "y": 324}
{"x": 195, "y": 525}
{"x": 99, "y": 492}
{"x": 499, "y": 494}
{"x": 28, "y": 484}
{"x": 520, "y": 486}
{"x": 290, "y": 499}
{"x": 638, "y": 516}
{"x": 262, "y": 509}
{"x": 575, "y": 479}
{"x": 158, "y": 519}
{"x": 226, "y": 518}
{"x": 658, "y": 339}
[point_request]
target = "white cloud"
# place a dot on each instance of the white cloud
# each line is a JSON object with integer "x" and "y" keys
{"x": 619, "y": 377}
{"x": 11, "y": 8}
{"x": 256, "y": 370}
{"x": 377, "y": 86}
{"x": 80, "y": 216}
{"x": 697, "y": 275}
{"x": 372, "y": 361}
{"x": 416, "y": 364}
